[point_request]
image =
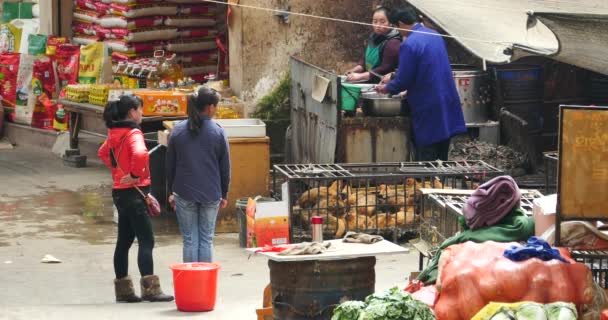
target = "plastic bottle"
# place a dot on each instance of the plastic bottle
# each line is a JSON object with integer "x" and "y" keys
{"x": 60, "y": 123}
{"x": 171, "y": 70}
{"x": 153, "y": 78}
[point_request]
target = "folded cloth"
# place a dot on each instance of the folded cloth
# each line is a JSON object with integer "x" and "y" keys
{"x": 534, "y": 248}
{"x": 356, "y": 237}
{"x": 491, "y": 202}
{"x": 516, "y": 226}
{"x": 306, "y": 248}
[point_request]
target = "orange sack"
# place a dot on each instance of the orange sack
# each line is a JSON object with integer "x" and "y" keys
{"x": 471, "y": 275}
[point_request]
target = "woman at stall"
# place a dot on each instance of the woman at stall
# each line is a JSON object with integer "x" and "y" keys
{"x": 125, "y": 153}
{"x": 382, "y": 52}
{"x": 198, "y": 170}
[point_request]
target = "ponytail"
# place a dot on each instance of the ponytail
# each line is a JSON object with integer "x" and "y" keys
{"x": 116, "y": 111}
{"x": 197, "y": 103}
{"x": 194, "y": 118}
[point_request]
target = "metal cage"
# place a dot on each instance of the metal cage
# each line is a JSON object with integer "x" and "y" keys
{"x": 442, "y": 209}
{"x": 550, "y": 159}
{"x": 378, "y": 198}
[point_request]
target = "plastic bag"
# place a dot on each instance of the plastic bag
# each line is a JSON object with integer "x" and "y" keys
{"x": 9, "y": 69}
{"x": 43, "y": 88}
{"x": 10, "y": 38}
{"x": 37, "y": 44}
{"x": 92, "y": 59}
{"x": 16, "y": 10}
{"x": 67, "y": 62}
{"x": 52, "y": 44}
{"x": 24, "y": 105}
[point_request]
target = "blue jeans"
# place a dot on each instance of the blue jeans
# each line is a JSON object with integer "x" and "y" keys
{"x": 197, "y": 225}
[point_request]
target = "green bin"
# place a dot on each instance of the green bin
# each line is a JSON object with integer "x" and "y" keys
{"x": 350, "y": 95}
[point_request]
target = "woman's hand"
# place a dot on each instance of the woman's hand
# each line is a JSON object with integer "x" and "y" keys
{"x": 381, "y": 89}
{"x": 223, "y": 203}
{"x": 172, "y": 202}
{"x": 387, "y": 78}
{"x": 128, "y": 180}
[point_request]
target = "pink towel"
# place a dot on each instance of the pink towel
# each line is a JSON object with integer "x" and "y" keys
{"x": 491, "y": 202}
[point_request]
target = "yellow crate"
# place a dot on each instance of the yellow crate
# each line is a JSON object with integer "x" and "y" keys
{"x": 78, "y": 92}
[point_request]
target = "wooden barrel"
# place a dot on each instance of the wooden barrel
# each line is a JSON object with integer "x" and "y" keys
{"x": 310, "y": 290}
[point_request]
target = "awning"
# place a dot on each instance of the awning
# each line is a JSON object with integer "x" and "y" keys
{"x": 502, "y": 31}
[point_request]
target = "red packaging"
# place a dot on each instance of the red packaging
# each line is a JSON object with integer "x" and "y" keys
{"x": 67, "y": 60}
{"x": 9, "y": 69}
{"x": 52, "y": 44}
{"x": 43, "y": 87}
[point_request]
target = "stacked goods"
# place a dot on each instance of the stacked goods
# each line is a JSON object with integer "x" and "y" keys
{"x": 196, "y": 47}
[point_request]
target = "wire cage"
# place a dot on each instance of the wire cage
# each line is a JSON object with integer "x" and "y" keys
{"x": 550, "y": 159}
{"x": 442, "y": 209}
{"x": 597, "y": 261}
{"x": 378, "y": 198}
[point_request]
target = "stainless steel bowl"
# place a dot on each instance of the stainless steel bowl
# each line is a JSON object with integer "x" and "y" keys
{"x": 380, "y": 105}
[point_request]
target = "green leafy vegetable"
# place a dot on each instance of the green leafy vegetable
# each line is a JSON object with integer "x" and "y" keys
{"x": 392, "y": 304}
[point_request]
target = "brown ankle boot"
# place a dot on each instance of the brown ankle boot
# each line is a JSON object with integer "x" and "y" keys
{"x": 151, "y": 291}
{"x": 123, "y": 288}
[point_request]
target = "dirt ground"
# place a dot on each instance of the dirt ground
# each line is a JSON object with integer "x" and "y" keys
{"x": 46, "y": 208}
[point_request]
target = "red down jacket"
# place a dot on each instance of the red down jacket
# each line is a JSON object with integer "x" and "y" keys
{"x": 132, "y": 158}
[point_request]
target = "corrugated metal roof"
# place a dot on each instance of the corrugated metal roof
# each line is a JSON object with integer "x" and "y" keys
{"x": 500, "y": 31}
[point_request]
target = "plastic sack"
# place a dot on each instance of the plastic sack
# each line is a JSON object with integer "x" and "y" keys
{"x": 92, "y": 60}
{"x": 43, "y": 88}
{"x": 67, "y": 62}
{"x": 143, "y": 10}
{"x": 52, "y": 44}
{"x": 197, "y": 33}
{"x": 10, "y": 38}
{"x": 16, "y": 10}
{"x": 25, "y": 101}
{"x": 9, "y": 69}
{"x": 126, "y": 23}
{"x": 37, "y": 44}
{"x": 195, "y": 45}
{"x": 190, "y": 22}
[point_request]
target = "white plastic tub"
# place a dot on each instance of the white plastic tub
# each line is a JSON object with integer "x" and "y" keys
{"x": 243, "y": 128}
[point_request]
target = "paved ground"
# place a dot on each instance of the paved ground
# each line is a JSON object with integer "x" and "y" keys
{"x": 46, "y": 208}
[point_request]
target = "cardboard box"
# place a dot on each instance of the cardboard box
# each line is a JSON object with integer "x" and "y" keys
{"x": 544, "y": 214}
{"x": 271, "y": 223}
{"x": 160, "y": 103}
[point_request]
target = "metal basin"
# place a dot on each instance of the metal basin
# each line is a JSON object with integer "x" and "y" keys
{"x": 380, "y": 105}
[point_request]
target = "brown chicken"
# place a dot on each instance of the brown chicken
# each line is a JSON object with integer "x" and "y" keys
{"x": 363, "y": 204}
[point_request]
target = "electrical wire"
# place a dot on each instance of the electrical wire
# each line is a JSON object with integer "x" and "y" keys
{"x": 355, "y": 22}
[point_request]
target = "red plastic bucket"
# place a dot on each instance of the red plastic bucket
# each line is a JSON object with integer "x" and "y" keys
{"x": 195, "y": 286}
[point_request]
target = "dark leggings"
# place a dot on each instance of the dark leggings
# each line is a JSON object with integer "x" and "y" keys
{"x": 133, "y": 221}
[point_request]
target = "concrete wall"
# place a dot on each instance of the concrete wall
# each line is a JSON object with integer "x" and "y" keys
{"x": 261, "y": 44}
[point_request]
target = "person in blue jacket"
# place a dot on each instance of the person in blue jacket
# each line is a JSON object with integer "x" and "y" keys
{"x": 425, "y": 73}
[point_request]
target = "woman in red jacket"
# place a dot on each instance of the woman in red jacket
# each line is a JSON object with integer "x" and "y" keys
{"x": 125, "y": 153}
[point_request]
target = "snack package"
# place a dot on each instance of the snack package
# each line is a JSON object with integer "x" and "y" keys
{"x": 52, "y": 44}
{"x": 163, "y": 103}
{"x": 24, "y": 105}
{"x": 43, "y": 88}
{"x": 9, "y": 69}
{"x": 92, "y": 60}
{"x": 37, "y": 44}
{"x": 67, "y": 62}
{"x": 10, "y": 38}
